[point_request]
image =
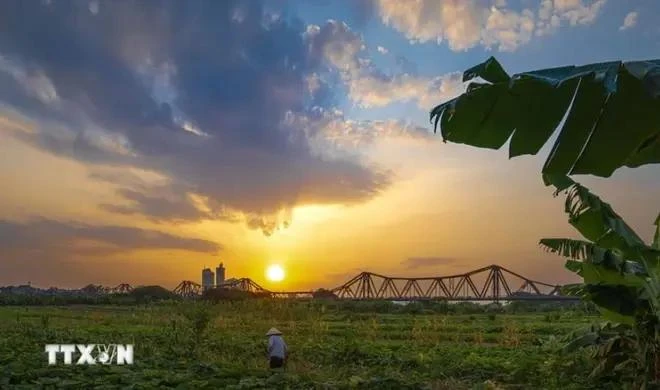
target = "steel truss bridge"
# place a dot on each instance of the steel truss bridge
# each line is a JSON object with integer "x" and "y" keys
{"x": 492, "y": 283}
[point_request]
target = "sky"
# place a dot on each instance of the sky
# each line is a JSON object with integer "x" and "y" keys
{"x": 142, "y": 141}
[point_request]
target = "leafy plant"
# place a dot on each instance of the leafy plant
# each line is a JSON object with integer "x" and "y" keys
{"x": 618, "y": 350}
{"x": 620, "y": 274}
{"x": 199, "y": 318}
{"x": 230, "y": 354}
{"x": 620, "y": 271}
{"x": 607, "y": 114}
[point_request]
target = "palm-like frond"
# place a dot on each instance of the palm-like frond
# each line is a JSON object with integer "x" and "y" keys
{"x": 585, "y": 252}
{"x": 596, "y": 265}
{"x": 608, "y": 114}
{"x": 565, "y": 247}
{"x": 596, "y": 220}
{"x": 574, "y": 290}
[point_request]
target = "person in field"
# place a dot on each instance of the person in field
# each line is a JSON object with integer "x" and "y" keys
{"x": 277, "y": 349}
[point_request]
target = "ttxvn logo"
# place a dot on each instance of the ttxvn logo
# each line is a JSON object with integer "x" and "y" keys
{"x": 91, "y": 353}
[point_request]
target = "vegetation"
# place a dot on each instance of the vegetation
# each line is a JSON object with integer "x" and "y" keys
{"x": 608, "y": 116}
{"x": 140, "y": 295}
{"x": 367, "y": 345}
{"x": 621, "y": 276}
{"x": 323, "y": 293}
{"x": 55, "y": 300}
{"x": 224, "y": 294}
{"x": 613, "y": 112}
{"x": 151, "y": 293}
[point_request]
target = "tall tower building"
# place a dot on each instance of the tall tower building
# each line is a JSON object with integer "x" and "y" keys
{"x": 207, "y": 278}
{"x": 219, "y": 274}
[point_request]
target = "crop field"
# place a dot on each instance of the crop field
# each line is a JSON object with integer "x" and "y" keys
{"x": 332, "y": 346}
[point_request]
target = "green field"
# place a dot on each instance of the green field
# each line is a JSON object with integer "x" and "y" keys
{"x": 332, "y": 346}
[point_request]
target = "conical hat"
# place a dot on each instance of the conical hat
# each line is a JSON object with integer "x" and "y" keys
{"x": 273, "y": 331}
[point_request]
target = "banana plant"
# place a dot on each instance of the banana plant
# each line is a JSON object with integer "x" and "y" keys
{"x": 620, "y": 275}
{"x": 607, "y": 114}
{"x": 620, "y": 271}
{"x": 618, "y": 351}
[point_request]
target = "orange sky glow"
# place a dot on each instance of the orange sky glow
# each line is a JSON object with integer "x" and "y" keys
{"x": 288, "y": 132}
{"x": 464, "y": 207}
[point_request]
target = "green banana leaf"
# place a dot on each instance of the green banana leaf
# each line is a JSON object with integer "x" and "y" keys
{"x": 592, "y": 335}
{"x": 585, "y": 340}
{"x": 597, "y": 265}
{"x": 616, "y": 303}
{"x": 573, "y": 290}
{"x": 599, "y": 223}
{"x": 617, "y": 267}
{"x": 608, "y": 114}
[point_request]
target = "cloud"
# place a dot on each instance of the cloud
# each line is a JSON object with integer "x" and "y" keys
{"x": 508, "y": 30}
{"x": 629, "y": 21}
{"x": 464, "y": 24}
{"x": 382, "y": 50}
{"x": 195, "y": 91}
{"x": 551, "y": 14}
{"x": 330, "y": 132}
{"x": 336, "y": 45}
{"x": 94, "y": 6}
{"x": 35, "y": 82}
{"x": 426, "y": 262}
{"x": 61, "y": 239}
{"x": 373, "y": 89}
{"x": 179, "y": 206}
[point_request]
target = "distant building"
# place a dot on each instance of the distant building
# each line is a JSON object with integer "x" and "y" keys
{"x": 207, "y": 278}
{"x": 219, "y": 275}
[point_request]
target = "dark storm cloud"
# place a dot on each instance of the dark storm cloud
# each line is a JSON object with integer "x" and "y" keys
{"x": 157, "y": 207}
{"x": 57, "y": 239}
{"x": 146, "y": 72}
{"x": 424, "y": 262}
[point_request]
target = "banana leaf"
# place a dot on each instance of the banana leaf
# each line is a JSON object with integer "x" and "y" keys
{"x": 597, "y": 265}
{"x": 573, "y": 290}
{"x": 593, "y": 335}
{"x": 599, "y": 223}
{"x": 607, "y": 114}
{"x": 616, "y": 303}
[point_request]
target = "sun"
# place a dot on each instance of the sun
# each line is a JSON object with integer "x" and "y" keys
{"x": 275, "y": 273}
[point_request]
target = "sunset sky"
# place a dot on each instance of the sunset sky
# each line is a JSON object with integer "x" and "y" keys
{"x": 141, "y": 141}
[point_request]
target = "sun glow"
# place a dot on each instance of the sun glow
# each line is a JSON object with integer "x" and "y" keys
{"x": 275, "y": 273}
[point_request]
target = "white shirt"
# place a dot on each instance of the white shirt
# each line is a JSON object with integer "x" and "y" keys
{"x": 276, "y": 346}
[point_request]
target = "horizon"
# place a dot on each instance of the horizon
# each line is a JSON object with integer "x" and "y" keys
{"x": 283, "y": 132}
{"x": 200, "y": 281}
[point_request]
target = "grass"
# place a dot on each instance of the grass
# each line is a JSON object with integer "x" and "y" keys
{"x": 197, "y": 346}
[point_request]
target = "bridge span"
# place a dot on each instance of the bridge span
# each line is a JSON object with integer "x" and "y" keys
{"x": 491, "y": 283}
